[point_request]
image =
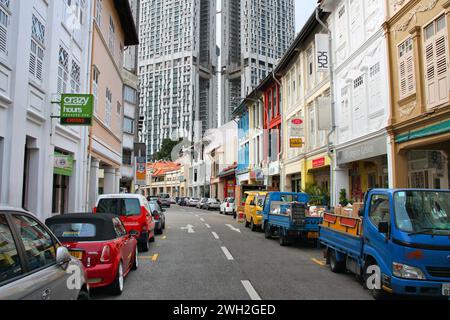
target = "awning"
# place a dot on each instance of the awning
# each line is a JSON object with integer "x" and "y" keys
{"x": 432, "y": 130}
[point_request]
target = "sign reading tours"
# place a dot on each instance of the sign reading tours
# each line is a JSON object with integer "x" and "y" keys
{"x": 77, "y": 109}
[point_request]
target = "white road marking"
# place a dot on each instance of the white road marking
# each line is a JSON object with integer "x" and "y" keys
{"x": 250, "y": 290}
{"x": 216, "y": 236}
{"x": 208, "y": 226}
{"x": 202, "y": 220}
{"x": 189, "y": 228}
{"x": 227, "y": 253}
{"x": 233, "y": 228}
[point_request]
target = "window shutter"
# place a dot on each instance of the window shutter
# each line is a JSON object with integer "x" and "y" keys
{"x": 442, "y": 68}
{"x": 406, "y": 70}
{"x": 4, "y": 20}
{"x": 430, "y": 72}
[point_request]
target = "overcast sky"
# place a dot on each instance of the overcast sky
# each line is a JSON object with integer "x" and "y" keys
{"x": 303, "y": 10}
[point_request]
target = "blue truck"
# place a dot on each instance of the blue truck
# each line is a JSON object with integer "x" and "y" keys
{"x": 399, "y": 244}
{"x": 285, "y": 216}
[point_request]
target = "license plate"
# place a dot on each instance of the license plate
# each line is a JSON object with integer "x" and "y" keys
{"x": 77, "y": 254}
{"x": 313, "y": 235}
{"x": 446, "y": 289}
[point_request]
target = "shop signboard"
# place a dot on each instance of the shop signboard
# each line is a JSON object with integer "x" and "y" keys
{"x": 318, "y": 163}
{"x": 63, "y": 165}
{"x": 140, "y": 175}
{"x": 76, "y": 109}
{"x": 365, "y": 150}
{"x": 296, "y": 143}
{"x": 274, "y": 168}
{"x": 322, "y": 52}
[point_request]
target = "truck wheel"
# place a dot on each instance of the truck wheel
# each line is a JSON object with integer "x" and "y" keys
{"x": 377, "y": 294}
{"x": 247, "y": 224}
{"x": 253, "y": 226}
{"x": 267, "y": 231}
{"x": 335, "y": 266}
{"x": 284, "y": 242}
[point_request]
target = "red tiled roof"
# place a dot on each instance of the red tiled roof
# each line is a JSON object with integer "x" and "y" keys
{"x": 161, "y": 168}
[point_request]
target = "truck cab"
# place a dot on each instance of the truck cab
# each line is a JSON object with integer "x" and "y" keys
{"x": 286, "y": 216}
{"x": 253, "y": 209}
{"x": 405, "y": 234}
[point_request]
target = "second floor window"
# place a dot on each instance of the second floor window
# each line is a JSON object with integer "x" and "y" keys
{"x": 63, "y": 70}
{"x": 37, "y": 49}
{"x": 4, "y": 24}
{"x": 112, "y": 35}
{"x": 75, "y": 77}
{"x": 108, "y": 108}
{"x": 436, "y": 62}
{"x": 406, "y": 68}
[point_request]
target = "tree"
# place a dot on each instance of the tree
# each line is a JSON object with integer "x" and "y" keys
{"x": 166, "y": 150}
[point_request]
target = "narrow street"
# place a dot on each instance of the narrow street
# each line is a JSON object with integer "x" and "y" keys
{"x": 220, "y": 259}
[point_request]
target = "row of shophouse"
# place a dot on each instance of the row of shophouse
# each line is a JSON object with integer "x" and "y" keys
{"x": 389, "y": 121}
{"x": 50, "y": 48}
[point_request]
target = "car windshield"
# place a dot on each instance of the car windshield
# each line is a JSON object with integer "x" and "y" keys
{"x": 164, "y": 196}
{"x": 417, "y": 211}
{"x": 230, "y": 200}
{"x": 154, "y": 206}
{"x": 123, "y": 207}
{"x": 261, "y": 199}
{"x": 74, "y": 230}
{"x": 195, "y": 199}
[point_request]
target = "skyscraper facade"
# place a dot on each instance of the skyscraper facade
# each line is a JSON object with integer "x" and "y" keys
{"x": 177, "y": 69}
{"x": 255, "y": 34}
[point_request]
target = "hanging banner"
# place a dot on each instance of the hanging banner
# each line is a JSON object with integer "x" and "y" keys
{"x": 63, "y": 164}
{"x": 322, "y": 53}
{"x": 140, "y": 173}
{"x": 77, "y": 109}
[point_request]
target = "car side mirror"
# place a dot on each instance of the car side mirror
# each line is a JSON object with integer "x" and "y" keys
{"x": 383, "y": 227}
{"x": 361, "y": 213}
{"x": 63, "y": 257}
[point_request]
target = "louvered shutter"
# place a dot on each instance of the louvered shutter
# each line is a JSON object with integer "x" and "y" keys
{"x": 436, "y": 69}
{"x": 4, "y": 20}
{"x": 442, "y": 68}
{"x": 406, "y": 70}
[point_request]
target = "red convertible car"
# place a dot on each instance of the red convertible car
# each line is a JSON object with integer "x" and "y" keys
{"x": 100, "y": 241}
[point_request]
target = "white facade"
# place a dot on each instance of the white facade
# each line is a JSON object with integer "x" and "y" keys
{"x": 360, "y": 84}
{"x": 177, "y": 69}
{"x": 255, "y": 34}
{"x": 48, "y": 58}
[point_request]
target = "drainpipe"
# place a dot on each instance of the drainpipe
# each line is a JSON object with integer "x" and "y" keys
{"x": 333, "y": 118}
{"x": 88, "y": 131}
{"x": 280, "y": 154}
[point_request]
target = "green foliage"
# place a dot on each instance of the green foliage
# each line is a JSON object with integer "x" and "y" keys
{"x": 343, "y": 201}
{"x": 319, "y": 196}
{"x": 166, "y": 150}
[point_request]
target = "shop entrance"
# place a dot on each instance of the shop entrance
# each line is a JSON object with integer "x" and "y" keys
{"x": 428, "y": 169}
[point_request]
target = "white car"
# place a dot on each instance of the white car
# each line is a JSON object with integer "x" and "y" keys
{"x": 228, "y": 206}
{"x": 192, "y": 202}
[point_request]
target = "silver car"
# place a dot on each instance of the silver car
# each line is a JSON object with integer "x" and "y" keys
{"x": 33, "y": 263}
{"x": 212, "y": 204}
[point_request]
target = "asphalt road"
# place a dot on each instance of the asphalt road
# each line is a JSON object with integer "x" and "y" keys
{"x": 219, "y": 259}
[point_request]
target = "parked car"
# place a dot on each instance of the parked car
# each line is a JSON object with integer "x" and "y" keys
{"x": 253, "y": 208}
{"x": 192, "y": 202}
{"x": 173, "y": 201}
{"x": 154, "y": 198}
{"x": 212, "y": 204}
{"x": 182, "y": 201}
{"x": 34, "y": 265}
{"x": 228, "y": 206}
{"x": 134, "y": 211}
{"x": 159, "y": 216}
{"x": 201, "y": 204}
{"x": 165, "y": 199}
{"x": 102, "y": 244}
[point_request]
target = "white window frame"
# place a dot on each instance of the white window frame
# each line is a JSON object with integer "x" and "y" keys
{"x": 63, "y": 70}
{"x": 108, "y": 108}
{"x": 37, "y": 52}
{"x": 5, "y": 18}
{"x": 406, "y": 70}
{"x": 95, "y": 81}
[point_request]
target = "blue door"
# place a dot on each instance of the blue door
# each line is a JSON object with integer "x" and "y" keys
{"x": 376, "y": 243}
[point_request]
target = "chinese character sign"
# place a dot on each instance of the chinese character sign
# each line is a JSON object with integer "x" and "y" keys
{"x": 322, "y": 53}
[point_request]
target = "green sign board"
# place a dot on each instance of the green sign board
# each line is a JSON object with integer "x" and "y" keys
{"x": 77, "y": 109}
{"x": 63, "y": 165}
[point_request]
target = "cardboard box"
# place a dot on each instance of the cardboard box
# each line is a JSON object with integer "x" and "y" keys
{"x": 356, "y": 207}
